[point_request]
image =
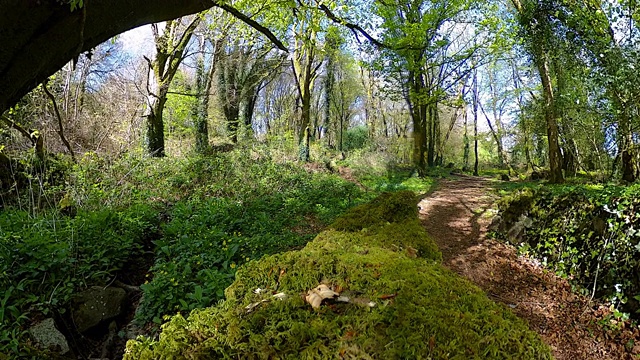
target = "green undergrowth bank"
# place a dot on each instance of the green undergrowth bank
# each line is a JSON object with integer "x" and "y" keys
{"x": 378, "y": 252}
{"x": 188, "y": 223}
{"x": 589, "y": 233}
{"x": 45, "y": 259}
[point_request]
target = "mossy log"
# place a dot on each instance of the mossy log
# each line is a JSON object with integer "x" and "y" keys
{"x": 378, "y": 251}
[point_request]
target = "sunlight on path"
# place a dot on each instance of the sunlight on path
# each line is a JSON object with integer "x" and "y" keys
{"x": 457, "y": 216}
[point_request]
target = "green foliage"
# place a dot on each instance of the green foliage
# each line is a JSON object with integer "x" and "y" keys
{"x": 204, "y": 216}
{"x": 356, "y": 138}
{"x": 44, "y": 260}
{"x": 234, "y": 209}
{"x": 380, "y": 172}
{"x": 31, "y": 182}
{"x": 585, "y": 232}
{"x": 179, "y": 107}
{"x": 432, "y": 313}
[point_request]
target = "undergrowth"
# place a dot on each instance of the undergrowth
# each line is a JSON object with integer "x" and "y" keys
{"x": 588, "y": 233}
{"x": 45, "y": 259}
{"x": 421, "y": 309}
{"x": 202, "y": 217}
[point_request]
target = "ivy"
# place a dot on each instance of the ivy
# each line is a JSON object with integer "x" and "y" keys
{"x": 590, "y": 234}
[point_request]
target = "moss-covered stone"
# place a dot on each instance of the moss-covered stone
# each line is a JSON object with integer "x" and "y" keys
{"x": 514, "y": 205}
{"x": 422, "y": 309}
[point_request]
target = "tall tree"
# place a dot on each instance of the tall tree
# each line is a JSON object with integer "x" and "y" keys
{"x": 421, "y": 35}
{"x": 305, "y": 63}
{"x": 533, "y": 17}
{"x": 200, "y": 113}
{"x": 595, "y": 30}
{"x": 170, "y": 46}
{"x": 245, "y": 64}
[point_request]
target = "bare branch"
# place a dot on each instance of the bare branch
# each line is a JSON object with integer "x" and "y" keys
{"x": 60, "y": 128}
{"x": 254, "y": 24}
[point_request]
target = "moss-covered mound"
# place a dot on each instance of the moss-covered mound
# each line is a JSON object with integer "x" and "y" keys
{"x": 421, "y": 309}
{"x": 386, "y": 208}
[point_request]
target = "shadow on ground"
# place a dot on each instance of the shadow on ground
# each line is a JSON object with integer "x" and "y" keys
{"x": 457, "y": 215}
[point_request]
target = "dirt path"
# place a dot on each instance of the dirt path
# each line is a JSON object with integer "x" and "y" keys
{"x": 457, "y": 215}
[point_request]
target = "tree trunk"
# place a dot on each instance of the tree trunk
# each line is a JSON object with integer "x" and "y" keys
{"x": 465, "y": 140}
{"x": 541, "y": 60}
{"x": 155, "y": 128}
{"x": 555, "y": 156}
{"x": 433, "y": 132}
{"x": 201, "y": 113}
{"x": 328, "y": 90}
{"x": 625, "y": 143}
{"x": 170, "y": 46}
{"x": 475, "y": 121}
{"x": 304, "y": 74}
{"x": 418, "y": 111}
{"x": 249, "y": 107}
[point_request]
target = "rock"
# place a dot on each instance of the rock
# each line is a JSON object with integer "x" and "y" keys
{"x": 517, "y": 230}
{"x": 48, "y": 337}
{"x": 332, "y": 166}
{"x": 495, "y": 223}
{"x": 97, "y": 305}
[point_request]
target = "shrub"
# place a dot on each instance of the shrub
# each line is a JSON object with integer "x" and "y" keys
{"x": 241, "y": 209}
{"x": 356, "y": 138}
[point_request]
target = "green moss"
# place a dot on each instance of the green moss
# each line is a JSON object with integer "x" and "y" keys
{"x": 434, "y": 313}
{"x": 513, "y": 205}
{"x": 386, "y": 208}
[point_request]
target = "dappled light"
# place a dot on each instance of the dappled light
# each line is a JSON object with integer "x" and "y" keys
{"x": 319, "y": 179}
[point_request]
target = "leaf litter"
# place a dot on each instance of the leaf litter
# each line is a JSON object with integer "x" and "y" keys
{"x": 457, "y": 215}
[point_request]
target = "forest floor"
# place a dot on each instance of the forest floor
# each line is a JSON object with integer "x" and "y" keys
{"x": 457, "y": 215}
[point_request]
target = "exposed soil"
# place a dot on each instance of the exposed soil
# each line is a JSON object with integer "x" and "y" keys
{"x": 457, "y": 215}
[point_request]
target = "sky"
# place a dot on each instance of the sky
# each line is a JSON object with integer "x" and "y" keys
{"x": 138, "y": 42}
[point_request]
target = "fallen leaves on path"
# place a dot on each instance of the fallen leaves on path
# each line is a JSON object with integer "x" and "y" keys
{"x": 457, "y": 216}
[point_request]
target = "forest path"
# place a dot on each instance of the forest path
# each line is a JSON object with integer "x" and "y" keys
{"x": 457, "y": 215}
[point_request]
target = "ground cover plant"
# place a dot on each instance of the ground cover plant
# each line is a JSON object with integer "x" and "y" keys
{"x": 199, "y": 218}
{"x": 216, "y": 133}
{"x": 45, "y": 259}
{"x": 588, "y": 233}
{"x": 421, "y": 309}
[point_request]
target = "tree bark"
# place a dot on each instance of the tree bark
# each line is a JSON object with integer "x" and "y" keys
{"x": 540, "y": 56}
{"x": 201, "y": 112}
{"x": 555, "y": 156}
{"x": 465, "y": 140}
{"x": 418, "y": 111}
{"x": 475, "y": 120}
{"x": 305, "y": 74}
{"x": 170, "y": 47}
